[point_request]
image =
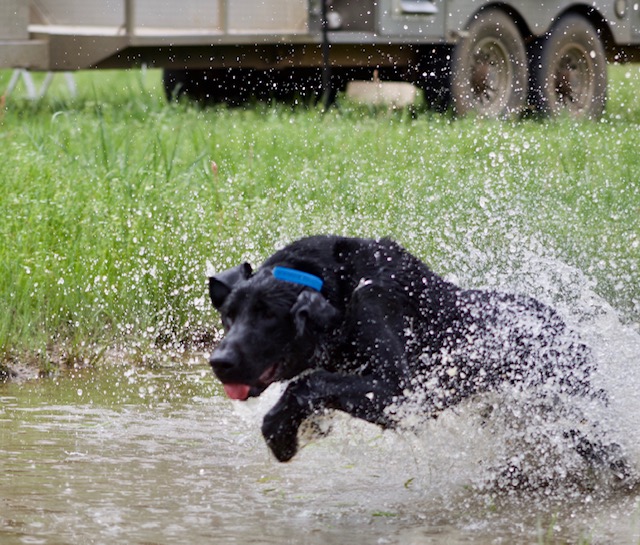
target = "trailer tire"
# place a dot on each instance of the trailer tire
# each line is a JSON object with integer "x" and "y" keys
{"x": 489, "y": 68}
{"x": 190, "y": 83}
{"x": 173, "y": 84}
{"x": 569, "y": 70}
{"x": 231, "y": 86}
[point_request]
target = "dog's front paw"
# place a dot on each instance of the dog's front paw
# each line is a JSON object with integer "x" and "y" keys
{"x": 281, "y": 434}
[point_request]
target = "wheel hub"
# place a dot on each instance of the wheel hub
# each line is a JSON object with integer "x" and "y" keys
{"x": 572, "y": 79}
{"x": 490, "y": 75}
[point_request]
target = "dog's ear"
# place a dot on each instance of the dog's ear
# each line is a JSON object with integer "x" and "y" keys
{"x": 221, "y": 284}
{"x": 312, "y": 310}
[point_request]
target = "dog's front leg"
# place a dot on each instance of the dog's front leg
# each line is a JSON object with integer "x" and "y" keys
{"x": 361, "y": 397}
{"x": 281, "y": 423}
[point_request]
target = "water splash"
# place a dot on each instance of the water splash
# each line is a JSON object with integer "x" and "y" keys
{"x": 505, "y": 444}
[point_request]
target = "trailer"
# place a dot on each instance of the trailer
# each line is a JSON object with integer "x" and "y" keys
{"x": 491, "y": 58}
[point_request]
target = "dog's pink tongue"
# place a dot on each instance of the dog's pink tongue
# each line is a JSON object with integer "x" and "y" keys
{"x": 237, "y": 391}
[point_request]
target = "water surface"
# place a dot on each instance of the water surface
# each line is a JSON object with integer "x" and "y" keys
{"x": 121, "y": 454}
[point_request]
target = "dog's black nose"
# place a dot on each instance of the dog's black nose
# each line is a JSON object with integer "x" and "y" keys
{"x": 220, "y": 365}
{"x": 223, "y": 361}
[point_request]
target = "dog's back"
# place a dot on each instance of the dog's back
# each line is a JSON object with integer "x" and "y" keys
{"x": 458, "y": 342}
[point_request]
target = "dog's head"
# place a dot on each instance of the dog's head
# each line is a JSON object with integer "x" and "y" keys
{"x": 273, "y": 321}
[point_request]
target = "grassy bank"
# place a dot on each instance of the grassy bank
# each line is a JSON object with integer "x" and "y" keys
{"x": 110, "y": 205}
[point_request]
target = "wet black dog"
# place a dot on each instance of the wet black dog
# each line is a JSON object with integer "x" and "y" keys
{"x": 363, "y": 326}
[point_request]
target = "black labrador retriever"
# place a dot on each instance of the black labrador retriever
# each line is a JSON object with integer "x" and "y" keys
{"x": 363, "y": 326}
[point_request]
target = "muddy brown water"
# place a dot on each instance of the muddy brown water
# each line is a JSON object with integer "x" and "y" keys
{"x": 121, "y": 454}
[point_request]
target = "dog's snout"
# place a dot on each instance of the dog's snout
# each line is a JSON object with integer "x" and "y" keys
{"x": 224, "y": 360}
{"x": 221, "y": 364}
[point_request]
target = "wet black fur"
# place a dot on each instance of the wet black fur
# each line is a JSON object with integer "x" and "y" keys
{"x": 384, "y": 328}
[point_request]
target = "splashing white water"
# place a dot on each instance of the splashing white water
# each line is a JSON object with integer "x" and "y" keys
{"x": 504, "y": 440}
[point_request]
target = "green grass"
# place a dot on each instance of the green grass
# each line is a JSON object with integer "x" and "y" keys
{"x": 110, "y": 207}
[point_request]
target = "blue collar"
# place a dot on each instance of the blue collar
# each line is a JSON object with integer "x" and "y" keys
{"x": 298, "y": 277}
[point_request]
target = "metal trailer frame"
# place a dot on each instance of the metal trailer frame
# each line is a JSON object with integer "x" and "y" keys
{"x": 42, "y": 41}
{"x": 399, "y": 36}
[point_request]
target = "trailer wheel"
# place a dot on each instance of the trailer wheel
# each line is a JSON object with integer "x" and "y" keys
{"x": 569, "y": 70}
{"x": 489, "y": 68}
{"x": 232, "y": 86}
{"x": 178, "y": 83}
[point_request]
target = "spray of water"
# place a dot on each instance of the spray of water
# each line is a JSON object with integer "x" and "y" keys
{"x": 505, "y": 445}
